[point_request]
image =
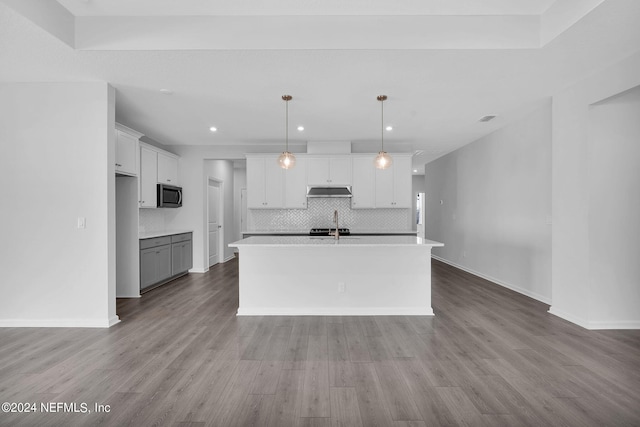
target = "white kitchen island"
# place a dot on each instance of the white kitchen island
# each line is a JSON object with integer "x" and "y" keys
{"x": 363, "y": 275}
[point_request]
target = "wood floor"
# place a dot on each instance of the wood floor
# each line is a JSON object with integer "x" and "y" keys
{"x": 180, "y": 357}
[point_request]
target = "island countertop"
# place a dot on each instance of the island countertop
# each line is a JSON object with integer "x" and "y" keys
{"x": 361, "y": 241}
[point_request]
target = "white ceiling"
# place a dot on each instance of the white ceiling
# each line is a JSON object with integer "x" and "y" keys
{"x": 233, "y": 78}
{"x": 304, "y": 7}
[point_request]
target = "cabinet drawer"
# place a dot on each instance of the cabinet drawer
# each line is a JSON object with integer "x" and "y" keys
{"x": 176, "y": 238}
{"x": 153, "y": 242}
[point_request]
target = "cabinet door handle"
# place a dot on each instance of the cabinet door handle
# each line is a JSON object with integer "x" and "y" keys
{"x": 119, "y": 165}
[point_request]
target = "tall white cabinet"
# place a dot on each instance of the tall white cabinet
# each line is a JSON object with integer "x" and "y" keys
{"x": 393, "y": 185}
{"x": 295, "y": 185}
{"x": 364, "y": 183}
{"x": 264, "y": 183}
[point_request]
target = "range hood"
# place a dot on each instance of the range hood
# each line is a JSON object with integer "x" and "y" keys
{"x": 318, "y": 191}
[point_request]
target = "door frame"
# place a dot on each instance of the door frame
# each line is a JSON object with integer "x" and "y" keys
{"x": 221, "y": 258}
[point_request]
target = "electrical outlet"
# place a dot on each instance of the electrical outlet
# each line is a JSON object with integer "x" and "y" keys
{"x": 341, "y": 287}
{"x": 82, "y": 222}
{"x": 464, "y": 254}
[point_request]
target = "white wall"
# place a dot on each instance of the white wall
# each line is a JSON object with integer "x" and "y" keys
{"x": 195, "y": 167}
{"x": 57, "y": 153}
{"x": 496, "y": 202}
{"x": 574, "y": 172}
{"x": 614, "y": 209}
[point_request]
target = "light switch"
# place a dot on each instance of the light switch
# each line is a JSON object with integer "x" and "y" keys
{"x": 82, "y": 222}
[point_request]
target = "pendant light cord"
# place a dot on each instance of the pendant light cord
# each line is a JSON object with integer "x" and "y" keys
{"x": 286, "y": 124}
{"x": 382, "y": 125}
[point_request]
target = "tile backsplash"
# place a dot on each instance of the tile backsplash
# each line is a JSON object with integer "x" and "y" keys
{"x": 152, "y": 220}
{"x": 319, "y": 213}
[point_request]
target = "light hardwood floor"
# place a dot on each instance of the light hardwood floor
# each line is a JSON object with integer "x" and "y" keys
{"x": 180, "y": 356}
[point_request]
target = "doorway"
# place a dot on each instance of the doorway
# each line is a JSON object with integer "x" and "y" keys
{"x": 215, "y": 221}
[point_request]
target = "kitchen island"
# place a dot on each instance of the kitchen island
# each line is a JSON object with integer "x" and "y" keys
{"x": 354, "y": 275}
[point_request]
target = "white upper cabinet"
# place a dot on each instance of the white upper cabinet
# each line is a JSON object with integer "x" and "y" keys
{"x": 393, "y": 185}
{"x": 148, "y": 177}
{"x": 127, "y": 149}
{"x": 156, "y": 167}
{"x": 264, "y": 183}
{"x": 363, "y": 182}
{"x": 329, "y": 170}
{"x": 295, "y": 185}
{"x": 167, "y": 169}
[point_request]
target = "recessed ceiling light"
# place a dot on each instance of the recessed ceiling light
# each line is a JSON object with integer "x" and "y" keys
{"x": 415, "y": 171}
{"x": 388, "y": 128}
{"x": 300, "y": 128}
{"x": 166, "y": 91}
{"x": 213, "y": 129}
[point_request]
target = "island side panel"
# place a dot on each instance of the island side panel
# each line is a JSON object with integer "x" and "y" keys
{"x": 378, "y": 280}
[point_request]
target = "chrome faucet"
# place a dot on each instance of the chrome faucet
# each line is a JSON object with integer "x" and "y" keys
{"x": 335, "y": 234}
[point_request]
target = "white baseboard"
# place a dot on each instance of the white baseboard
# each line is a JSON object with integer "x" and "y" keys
{"x": 199, "y": 270}
{"x": 128, "y": 296}
{"x": 113, "y": 320}
{"x": 569, "y": 317}
{"x": 596, "y": 325}
{"x": 515, "y": 288}
{"x": 229, "y": 258}
{"x": 336, "y": 311}
{"x": 621, "y": 324}
{"x": 59, "y": 323}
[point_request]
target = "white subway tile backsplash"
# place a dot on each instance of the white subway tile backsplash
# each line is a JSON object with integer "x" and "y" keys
{"x": 151, "y": 220}
{"x": 319, "y": 213}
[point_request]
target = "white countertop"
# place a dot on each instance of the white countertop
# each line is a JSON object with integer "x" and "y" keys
{"x": 353, "y": 231}
{"x": 152, "y": 234}
{"x": 297, "y": 241}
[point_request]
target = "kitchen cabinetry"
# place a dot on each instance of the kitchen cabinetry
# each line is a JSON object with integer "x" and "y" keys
{"x": 295, "y": 185}
{"x": 127, "y": 140}
{"x": 148, "y": 177}
{"x": 167, "y": 169}
{"x": 181, "y": 253}
{"x": 164, "y": 258}
{"x": 393, "y": 185}
{"x": 265, "y": 182}
{"x": 329, "y": 170}
{"x": 364, "y": 184}
{"x": 155, "y": 261}
{"x": 156, "y": 166}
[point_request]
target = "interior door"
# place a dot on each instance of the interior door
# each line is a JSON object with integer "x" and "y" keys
{"x": 214, "y": 222}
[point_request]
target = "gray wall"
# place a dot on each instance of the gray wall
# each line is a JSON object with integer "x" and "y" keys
{"x": 494, "y": 218}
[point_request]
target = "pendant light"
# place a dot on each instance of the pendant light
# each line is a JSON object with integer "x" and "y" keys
{"x": 286, "y": 159}
{"x": 383, "y": 159}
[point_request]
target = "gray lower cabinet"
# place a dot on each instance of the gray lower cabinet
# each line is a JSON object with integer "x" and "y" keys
{"x": 181, "y": 253}
{"x": 164, "y": 258}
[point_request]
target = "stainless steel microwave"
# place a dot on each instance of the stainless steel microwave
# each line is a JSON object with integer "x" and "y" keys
{"x": 169, "y": 196}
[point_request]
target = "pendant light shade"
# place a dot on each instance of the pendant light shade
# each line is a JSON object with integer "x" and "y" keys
{"x": 383, "y": 159}
{"x": 287, "y": 160}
